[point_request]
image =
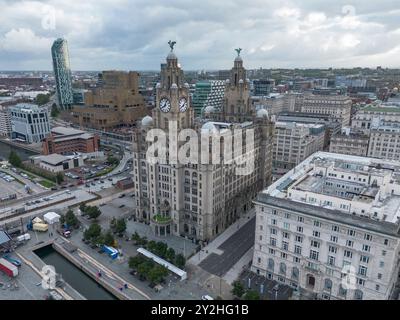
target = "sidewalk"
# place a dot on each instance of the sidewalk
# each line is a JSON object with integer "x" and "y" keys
{"x": 212, "y": 247}
{"x": 234, "y": 273}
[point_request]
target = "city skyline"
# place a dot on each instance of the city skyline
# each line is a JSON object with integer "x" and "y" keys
{"x": 278, "y": 35}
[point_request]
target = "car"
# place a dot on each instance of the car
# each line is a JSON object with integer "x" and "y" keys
{"x": 93, "y": 184}
{"x": 54, "y": 189}
{"x": 102, "y": 181}
{"x": 87, "y": 185}
{"x": 110, "y": 179}
{"x": 206, "y": 297}
{"x": 122, "y": 195}
{"x": 121, "y": 206}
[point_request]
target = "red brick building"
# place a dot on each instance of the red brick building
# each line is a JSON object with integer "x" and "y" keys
{"x": 64, "y": 140}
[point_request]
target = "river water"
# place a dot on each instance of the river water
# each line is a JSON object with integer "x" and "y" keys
{"x": 76, "y": 278}
{"x": 5, "y": 150}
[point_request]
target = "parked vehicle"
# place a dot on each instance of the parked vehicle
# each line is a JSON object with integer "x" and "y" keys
{"x": 12, "y": 260}
{"x": 24, "y": 237}
{"x": 8, "y": 268}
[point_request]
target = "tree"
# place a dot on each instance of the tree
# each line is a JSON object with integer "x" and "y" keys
{"x": 120, "y": 226}
{"x": 14, "y": 159}
{"x": 134, "y": 262}
{"x": 180, "y": 261}
{"x": 71, "y": 219}
{"x": 42, "y": 99}
{"x": 82, "y": 207}
{"x": 93, "y": 212}
{"x": 59, "y": 178}
{"x": 238, "y": 289}
{"x": 108, "y": 238}
{"x": 170, "y": 255}
{"x": 136, "y": 238}
{"x": 112, "y": 160}
{"x": 55, "y": 112}
{"x": 93, "y": 232}
{"x": 156, "y": 274}
{"x": 251, "y": 295}
{"x": 62, "y": 219}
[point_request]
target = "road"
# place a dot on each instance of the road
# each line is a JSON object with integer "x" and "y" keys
{"x": 232, "y": 250}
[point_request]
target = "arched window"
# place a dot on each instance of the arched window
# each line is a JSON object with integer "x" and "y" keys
{"x": 358, "y": 295}
{"x": 271, "y": 264}
{"x": 282, "y": 268}
{"x": 328, "y": 284}
{"x": 295, "y": 273}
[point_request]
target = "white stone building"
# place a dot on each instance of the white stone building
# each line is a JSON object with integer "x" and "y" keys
{"x": 336, "y": 105}
{"x": 332, "y": 219}
{"x": 294, "y": 142}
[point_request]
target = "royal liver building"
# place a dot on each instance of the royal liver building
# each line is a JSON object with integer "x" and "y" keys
{"x": 199, "y": 190}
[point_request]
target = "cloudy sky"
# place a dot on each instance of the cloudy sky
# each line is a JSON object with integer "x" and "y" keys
{"x": 133, "y": 34}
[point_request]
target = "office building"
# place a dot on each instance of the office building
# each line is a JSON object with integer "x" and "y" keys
{"x": 5, "y": 122}
{"x": 29, "y": 122}
{"x": 62, "y": 73}
{"x": 199, "y": 200}
{"x": 350, "y": 141}
{"x": 115, "y": 103}
{"x": 330, "y": 228}
{"x": 376, "y": 115}
{"x": 294, "y": 142}
{"x": 263, "y": 87}
{"x": 65, "y": 141}
{"x": 339, "y": 107}
{"x": 208, "y": 93}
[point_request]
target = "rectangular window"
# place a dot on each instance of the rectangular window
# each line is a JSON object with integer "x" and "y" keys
{"x": 286, "y": 225}
{"x": 366, "y": 248}
{"x": 348, "y": 254}
{"x": 335, "y": 228}
{"x": 299, "y": 229}
{"x": 331, "y": 260}
{"x": 272, "y": 242}
{"x": 316, "y": 234}
{"x": 362, "y": 270}
{"x": 300, "y": 219}
{"x": 315, "y": 244}
{"x": 367, "y": 237}
{"x": 314, "y": 255}
{"x": 317, "y": 223}
{"x": 286, "y": 235}
{"x": 334, "y": 239}
{"x": 349, "y": 243}
{"x": 297, "y": 249}
{"x": 285, "y": 245}
{"x": 364, "y": 259}
{"x": 299, "y": 239}
{"x": 332, "y": 249}
{"x": 351, "y": 232}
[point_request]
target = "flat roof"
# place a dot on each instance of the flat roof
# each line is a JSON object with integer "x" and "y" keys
{"x": 336, "y": 216}
{"x": 53, "y": 159}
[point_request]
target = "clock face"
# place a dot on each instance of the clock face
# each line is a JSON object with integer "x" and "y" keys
{"x": 165, "y": 105}
{"x": 183, "y": 105}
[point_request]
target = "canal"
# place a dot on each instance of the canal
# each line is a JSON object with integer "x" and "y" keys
{"x": 5, "y": 150}
{"x": 76, "y": 278}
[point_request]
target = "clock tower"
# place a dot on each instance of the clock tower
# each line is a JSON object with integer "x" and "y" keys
{"x": 172, "y": 96}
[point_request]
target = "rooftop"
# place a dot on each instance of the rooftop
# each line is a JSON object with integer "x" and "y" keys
{"x": 356, "y": 186}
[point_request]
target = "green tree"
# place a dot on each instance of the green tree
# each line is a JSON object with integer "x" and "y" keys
{"x": 59, "y": 178}
{"x": 55, "y": 112}
{"x": 238, "y": 289}
{"x": 251, "y": 295}
{"x": 82, "y": 207}
{"x": 134, "y": 262}
{"x": 120, "y": 226}
{"x": 71, "y": 219}
{"x": 93, "y": 212}
{"x": 157, "y": 273}
{"x": 108, "y": 238}
{"x": 180, "y": 261}
{"x": 14, "y": 159}
{"x": 170, "y": 255}
{"x": 92, "y": 232}
{"x": 42, "y": 99}
{"x": 112, "y": 160}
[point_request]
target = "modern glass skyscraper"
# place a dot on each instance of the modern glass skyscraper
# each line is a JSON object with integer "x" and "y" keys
{"x": 62, "y": 72}
{"x": 208, "y": 93}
